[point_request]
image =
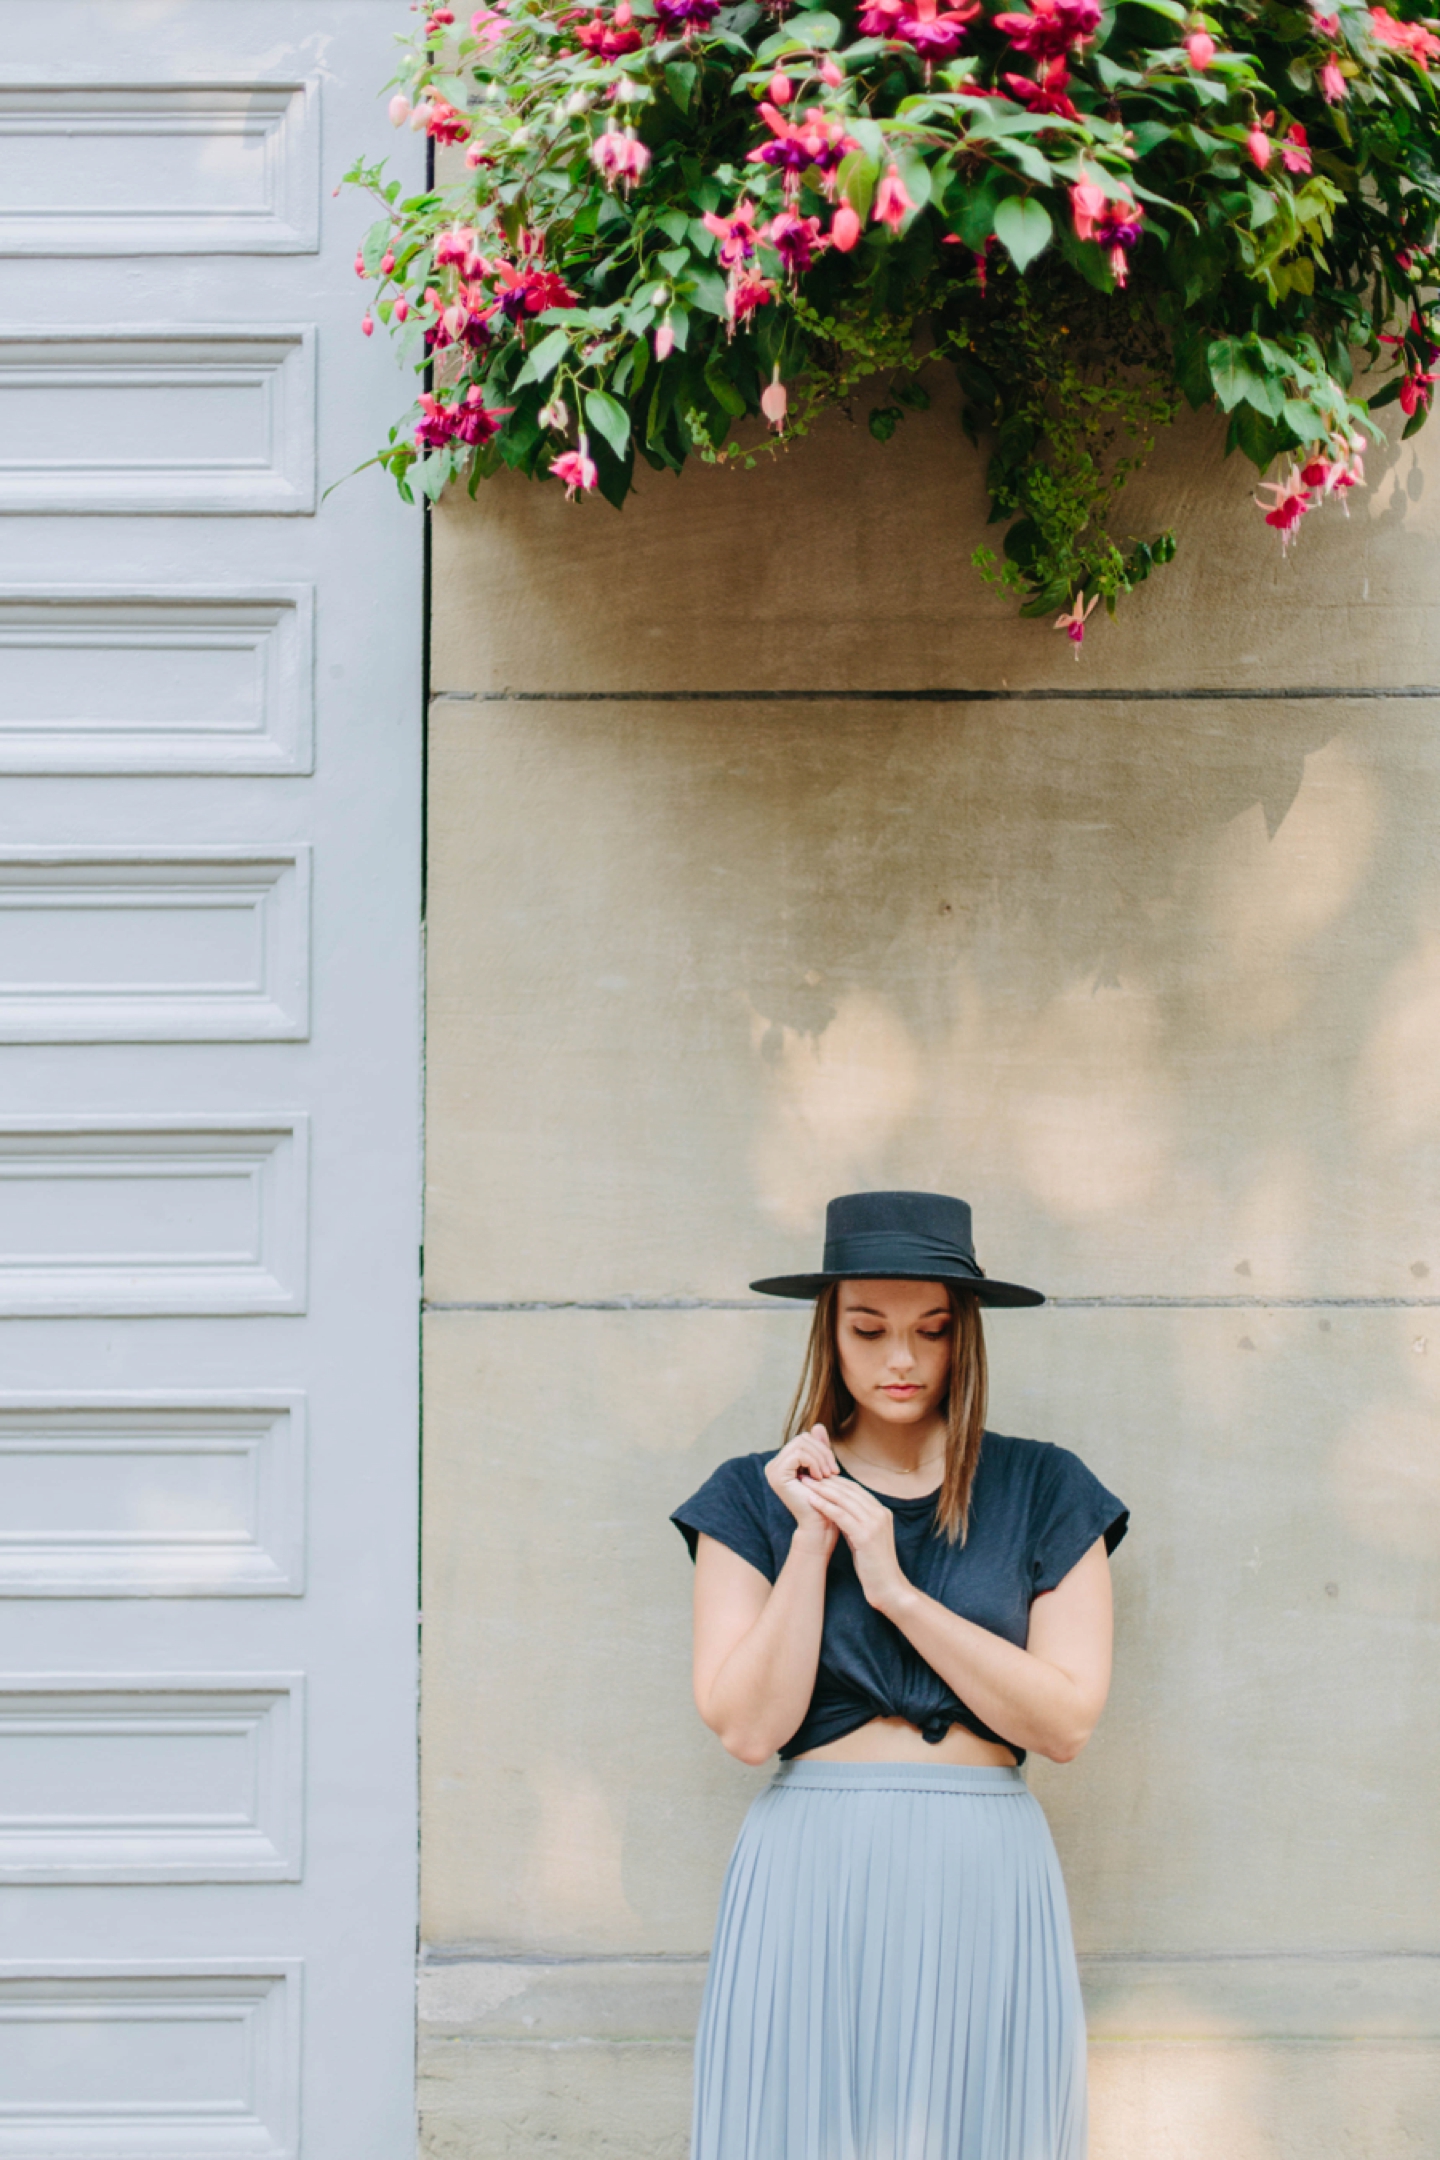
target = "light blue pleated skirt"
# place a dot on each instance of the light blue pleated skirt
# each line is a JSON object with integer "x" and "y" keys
{"x": 893, "y": 1975}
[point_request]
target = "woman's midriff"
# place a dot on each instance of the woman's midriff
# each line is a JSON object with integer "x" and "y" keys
{"x": 893, "y": 1739}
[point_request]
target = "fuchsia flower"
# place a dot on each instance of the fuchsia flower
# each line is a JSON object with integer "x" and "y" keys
{"x": 1292, "y": 500}
{"x": 1200, "y": 49}
{"x": 781, "y": 88}
{"x": 620, "y": 155}
{"x": 1052, "y": 29}
{"x": 1333, "y": 86}
{"x": 879, "y": 17}
{"x": 1115, "y": 225}
{"x": 775, "y": 401}
{"x": 465, "y": 320}
{"x": 1422, "y": 352}
{"x": 933, "y": 33}
{"x": 844, "y": 228}
{"x": 685, "y": 17}
{"x": 797, "y": 145}
{"x": 892, "y": 205}
{"x": 1295, "y": 149}
{"x": 830, "y": 74}
{"x": 399, "y": 109}
{"x": 577, "y": 469}
{"x": 441, "y": 121}
{"x": 367, "y": 324}
{"x": 747, "y": 292}
{"x": 665, "y": 340}
{"x": 608, "y": 40}
{"x": 1415, "y": 392}
{"x": 796, "y": 240}
{"x": 454, "y": 246}
{"x": 737, "y": 234}
{"x": 489, "y": 27}
{"x": 1258, "y": 143}
{"x": 1406, "y": 37}
{"x": 528, "y": 289}
{"x": 468, "y": 420}
{"x": 1047, "y": 93}
{"x": 1073, "y": 623}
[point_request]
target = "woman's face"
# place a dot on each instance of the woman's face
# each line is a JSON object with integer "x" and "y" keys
{"x": 893, "y": 1340}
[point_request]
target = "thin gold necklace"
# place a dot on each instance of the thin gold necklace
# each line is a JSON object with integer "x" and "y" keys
{"x": 889, "y": 1468}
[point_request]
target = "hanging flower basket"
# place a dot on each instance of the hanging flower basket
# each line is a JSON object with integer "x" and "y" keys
{"x": 672, "y": 217}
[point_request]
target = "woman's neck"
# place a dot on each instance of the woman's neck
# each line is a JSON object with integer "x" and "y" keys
{"x": 901, "y": 1450}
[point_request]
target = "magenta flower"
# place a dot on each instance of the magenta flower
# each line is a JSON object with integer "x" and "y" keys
{"x": 1047, "y": 93}
{"x": 844, "y": 228}
{"x": 797, "y": 145}
{"x": 609, "y": 40}
{"x": 796, "y": 240}
{"x": 474, "y": 422}
{"x": 1052, "y": 29}
{"x": 1292, "y": 501}
{"x": 1200, "y": 49}
{"x": 1073, "y": 623}
{"x": 685, "y": 17}
{"x": 892, "y": 205}
{"x": 878, "y": 18}
{"x": 736, "y": 234}
{"x": 1258, "y": 143}
{"x": 454, "y": 246}
{"x": 746, "y": 293}
{"x": 528, "y": 289}
{"x": 1405, "y": 37}
{"x": 1088, "y": 204}
{"x": 577, "y": 469}
{"x": 1333, "y": 86}
{"x": 934, "y": 34}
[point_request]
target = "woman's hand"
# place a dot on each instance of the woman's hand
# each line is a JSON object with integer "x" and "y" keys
{"x": 868, "y": 1528}
{"x": 810, "y": 1453}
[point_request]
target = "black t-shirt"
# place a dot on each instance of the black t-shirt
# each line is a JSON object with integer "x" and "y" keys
{"x": 1034, "y": 1511}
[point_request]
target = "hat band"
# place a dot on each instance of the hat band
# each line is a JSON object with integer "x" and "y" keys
{"x": 886, "y": 1252}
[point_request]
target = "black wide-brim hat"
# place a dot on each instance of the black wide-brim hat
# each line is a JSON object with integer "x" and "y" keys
{"x": 900, "y": 1237}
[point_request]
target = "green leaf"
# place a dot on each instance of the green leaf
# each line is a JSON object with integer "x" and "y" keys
{"x": 1238, "y": 381}
{"x": 884, "y": 419}
{"x": 972, "y": 214}
{"x": 707, "y": 290}
{"x": 1023, "y": 228}
{"x": 609, "y": 419}
{"x": 541, "y": 363}
{"x": 680, "y": 81}
{"x": 1385, "y": 395}
{"x": 857, "y": 179}
{"x": 1262, "y": 204}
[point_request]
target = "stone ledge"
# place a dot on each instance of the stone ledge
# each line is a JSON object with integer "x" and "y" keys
{"x": 657, "y": 2000}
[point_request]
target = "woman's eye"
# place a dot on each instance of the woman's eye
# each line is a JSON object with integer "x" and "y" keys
{"x": 868, "y": 1334}
{"x": 935, "y": 1334}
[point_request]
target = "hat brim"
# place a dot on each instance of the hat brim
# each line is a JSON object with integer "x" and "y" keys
{"x": 982, "y": 1288}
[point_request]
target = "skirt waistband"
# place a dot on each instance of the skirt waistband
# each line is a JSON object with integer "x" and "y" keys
{"x": 992, "y": 1779}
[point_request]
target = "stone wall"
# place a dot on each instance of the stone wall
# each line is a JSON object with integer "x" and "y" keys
{"x": 772, "y": 857}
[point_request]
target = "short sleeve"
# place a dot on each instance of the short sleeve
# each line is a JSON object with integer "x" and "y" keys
{"x": 730, "y": 1506}
{"x": 1072, "y": 1509}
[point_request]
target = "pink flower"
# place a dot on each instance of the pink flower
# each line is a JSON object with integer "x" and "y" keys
{"x": 844, "y": 229}
{"x": 402, "y": 309}
{"x": 489, "y": 27}
{"x": 529, "y": 290}
{"x": 1405, "y": 37}
{"x": 1052, "y": 28}
{"x": 781, "y": 89}
{"x": 442, "y": 122}
{"x": 399, "y": 109}
{"x": 1415, "y": 392}
{"x": 453, "y": 246}
{"x": 665, "y": 340}
{"x": 1292, "y": 500}
{"x": 474, "y": 422}
{"x": 1087, "y": 207}
{"x": 577, "y": 469}
{"x": 1073, "y": 623}
{"x": 1327, "y": 25}
{"x": 620, "y": 156}
{"x": 367, "y": 324}
{"x": 1200, "y": 48}
{"x": 774, "y": 401}
{"x": 892, "y": 205}
{"x": 736, "y": 234}
{"x": 1258, "y": 143}
{"x": 796, "y": 241}
{"x": 1333, "y": 86}
{"x": 1295, "y": 149}
{"x": 879, "y": 17}
{"x": 831, "y": 75}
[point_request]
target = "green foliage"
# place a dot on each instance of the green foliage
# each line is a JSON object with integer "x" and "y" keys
{"x": 664, "y": 229}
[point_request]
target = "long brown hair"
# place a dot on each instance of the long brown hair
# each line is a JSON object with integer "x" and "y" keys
{"x": 822, "y": 1398}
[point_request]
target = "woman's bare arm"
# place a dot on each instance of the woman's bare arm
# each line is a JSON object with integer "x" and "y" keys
{"x": 757, "y": 1645}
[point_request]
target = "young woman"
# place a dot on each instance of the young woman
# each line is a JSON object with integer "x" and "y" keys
{"x": 902, "y": 1604}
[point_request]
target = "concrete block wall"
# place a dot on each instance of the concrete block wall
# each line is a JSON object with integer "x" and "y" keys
{"x": 772, "y": 857}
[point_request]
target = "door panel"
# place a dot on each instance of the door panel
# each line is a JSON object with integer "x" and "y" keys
{"x": 210, "y": 715}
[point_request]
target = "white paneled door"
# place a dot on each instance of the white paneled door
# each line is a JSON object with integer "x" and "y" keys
{"x": 210, "y": 712}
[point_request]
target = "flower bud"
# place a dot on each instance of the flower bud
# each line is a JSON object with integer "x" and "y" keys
{"x": 402, "y": 309}
{"x": 1200, "y": 48}
{"x": 844, "y": 229}
{"x": 664, "y": 340}
{"x": 781, "y": 88}
{"x": 830, "y": 74}
{"x": 399, "y": 109}
{"x": 387, "y": 262}
{"x": 368, "y": 324}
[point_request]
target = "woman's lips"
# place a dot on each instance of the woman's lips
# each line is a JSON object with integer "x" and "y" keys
{"x": 902, "y": 1389}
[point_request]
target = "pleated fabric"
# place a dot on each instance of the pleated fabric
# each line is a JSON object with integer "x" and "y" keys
{"x": 893, "y": 1975}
